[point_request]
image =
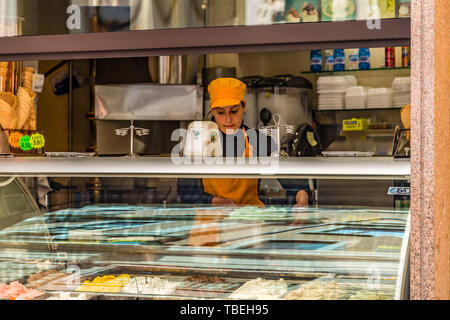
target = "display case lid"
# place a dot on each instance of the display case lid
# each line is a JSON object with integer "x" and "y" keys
{"x": 164, "y": 167}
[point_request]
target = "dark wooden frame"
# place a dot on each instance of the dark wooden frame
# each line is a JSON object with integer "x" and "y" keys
{"x": 267, "y": 38}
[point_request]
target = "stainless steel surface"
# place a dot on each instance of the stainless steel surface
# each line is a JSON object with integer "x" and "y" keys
{"x": 174, "y": 69}
{"x": 293, "y": 104}
{"x": 355, "y": 192}
{"x": 148, "y": 102}
{"x": 154, "y": 144}
{"x": 320, "y": 168}
{"x": 170, "y": 69}
{"x": 251, "y": 116}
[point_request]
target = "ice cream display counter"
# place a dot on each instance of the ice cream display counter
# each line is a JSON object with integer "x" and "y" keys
{"x": 190, "y": 251}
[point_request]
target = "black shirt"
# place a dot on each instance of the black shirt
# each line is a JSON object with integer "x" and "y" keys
{"x": 192, "y": 191}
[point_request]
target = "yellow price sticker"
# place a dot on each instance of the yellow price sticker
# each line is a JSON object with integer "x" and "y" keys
{"x": 37, "y": 141}
{"x": 311, "y": 139}
{"x": 14, "y": 139}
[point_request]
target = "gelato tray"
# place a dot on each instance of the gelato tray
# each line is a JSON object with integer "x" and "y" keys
{"x": 119, "y": 282}
{"x": 139, "y": 282}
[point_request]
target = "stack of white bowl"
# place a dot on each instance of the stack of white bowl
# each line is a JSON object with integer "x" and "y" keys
{"x": 332, "y": 89}
{"x": 380, "y": 98}
{"x": 356, "y": 97}
{"x": 402, "y": 91}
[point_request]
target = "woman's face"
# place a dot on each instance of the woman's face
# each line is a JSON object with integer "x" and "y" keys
{"x": 229, "y": 119}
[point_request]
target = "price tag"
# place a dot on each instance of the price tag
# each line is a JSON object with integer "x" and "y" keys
{"x": 37, "y": 141}
{"x": 25, "y": 144}
{"x": 399, "y": 191}
{"x": 38, "y": 82}
{"x": 14, "y": 139}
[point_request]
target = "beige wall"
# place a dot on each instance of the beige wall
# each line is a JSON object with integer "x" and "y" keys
{"x": 430, "y": 140}
{"x": 442, "y": 155}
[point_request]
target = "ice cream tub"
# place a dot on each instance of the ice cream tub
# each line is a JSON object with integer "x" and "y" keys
{"x": 302, "y": 11}
{"x": 338, "y": 10}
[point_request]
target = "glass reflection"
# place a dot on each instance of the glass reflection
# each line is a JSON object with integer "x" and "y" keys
{"x": 176, "y": 251}
{"x": 31, "y": 17}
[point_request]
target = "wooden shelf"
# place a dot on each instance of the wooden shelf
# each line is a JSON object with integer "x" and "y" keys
{"x": 362, "y": 109}
{"x": 369, "y": 133}
{"x": 346, "y": 71}
{"x": 234, "y": 39}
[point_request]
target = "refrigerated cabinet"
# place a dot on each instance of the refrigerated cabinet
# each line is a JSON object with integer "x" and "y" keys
{"x": 180, "y": 251}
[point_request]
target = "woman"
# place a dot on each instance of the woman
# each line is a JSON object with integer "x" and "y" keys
{"x": 228, "y": 108}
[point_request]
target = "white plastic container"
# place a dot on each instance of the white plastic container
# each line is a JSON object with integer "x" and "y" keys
{"x": 203, "y": 140}
{"x": 10, "y": 26}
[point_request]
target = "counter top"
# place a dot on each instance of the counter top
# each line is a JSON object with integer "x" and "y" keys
{"x": 377, "y": 168}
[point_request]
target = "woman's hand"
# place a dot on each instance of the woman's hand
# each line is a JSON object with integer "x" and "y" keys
{"x": 302, "y": 199}
{"x": 222, "y": 202}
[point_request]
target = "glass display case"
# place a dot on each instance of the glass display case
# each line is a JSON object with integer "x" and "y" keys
{"x": 23, "y": 17}
{"x": 122, "y": 228}
{"x": 109, "y": 236}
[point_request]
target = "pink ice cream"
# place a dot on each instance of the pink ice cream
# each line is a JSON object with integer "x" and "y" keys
{"x": 16, "y": 291}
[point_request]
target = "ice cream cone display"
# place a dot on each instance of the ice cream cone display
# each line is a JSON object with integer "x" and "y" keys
{"x": 8, "y": 106}
{"x": 28, "y": 78}
{"x": 28, "y": 70}
{"x": 28, "y": 84}
{"x": 25, "y": 106}
{"x": 406, "y": 119}
{"x": 26, "y": 126}
{"x": 32, "y": 121}
{"x": 10, "y": 83}
{"x": 3, "y": 78}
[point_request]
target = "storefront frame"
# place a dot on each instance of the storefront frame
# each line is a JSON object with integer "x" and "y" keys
{"x": 429, "y": 176}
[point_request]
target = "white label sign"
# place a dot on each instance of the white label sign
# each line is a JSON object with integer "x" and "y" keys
{"x": 399, "y": 191}
{"x": 38, "y": 82}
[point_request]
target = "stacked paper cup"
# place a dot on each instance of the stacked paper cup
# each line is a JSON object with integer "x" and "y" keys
{"x": 28, "y": 78}
{"x": 332, "y": 89}
{"x": 402, "y": 91}
{"x": 3, "y": 75}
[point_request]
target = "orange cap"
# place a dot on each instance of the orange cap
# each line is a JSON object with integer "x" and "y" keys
{"x": 225, "y": 92}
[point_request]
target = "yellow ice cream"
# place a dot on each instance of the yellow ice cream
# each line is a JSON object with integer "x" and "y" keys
{"x": 107, "y": 284}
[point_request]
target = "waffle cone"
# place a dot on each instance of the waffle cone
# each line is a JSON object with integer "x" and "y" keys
{"x": 28, "y": 70}
{"x": 32, "y": 121}
{"x": 8, "y": 105}
{"x": 10, "y": 77}
{"x": 26, "y": 126}
{"x": 25, "y": 105}
{"x": 3, "y": 84}
{"x": 4, "y": 64}
{"x": 406, "y": 119}
{"x": 28, "y": 84}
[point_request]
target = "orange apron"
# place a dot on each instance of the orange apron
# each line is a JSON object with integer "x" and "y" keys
{"x": 241, "y": 191}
